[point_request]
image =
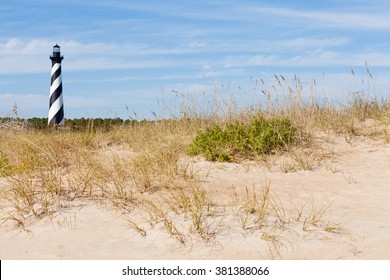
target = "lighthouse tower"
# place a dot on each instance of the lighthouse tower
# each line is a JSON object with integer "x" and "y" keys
{"x": 56, "y": 105}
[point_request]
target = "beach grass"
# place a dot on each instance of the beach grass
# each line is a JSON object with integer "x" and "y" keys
{"x": 148, "y": 165}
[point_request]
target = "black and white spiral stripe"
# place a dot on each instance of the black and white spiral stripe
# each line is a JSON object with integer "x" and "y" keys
{"x": 56, "y": 106}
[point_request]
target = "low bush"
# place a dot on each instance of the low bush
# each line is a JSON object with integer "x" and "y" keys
{"x": 238, "y": 140}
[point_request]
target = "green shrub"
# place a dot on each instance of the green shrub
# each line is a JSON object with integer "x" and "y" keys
{"x": 238, "y": 140}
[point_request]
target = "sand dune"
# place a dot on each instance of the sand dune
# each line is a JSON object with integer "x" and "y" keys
{"x": 351, "y": 186}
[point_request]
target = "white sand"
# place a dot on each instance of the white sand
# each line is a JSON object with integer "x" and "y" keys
{"x": 355, "y": 182}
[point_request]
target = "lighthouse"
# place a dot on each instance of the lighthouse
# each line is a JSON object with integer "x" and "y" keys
{"x": 56, "y": 104}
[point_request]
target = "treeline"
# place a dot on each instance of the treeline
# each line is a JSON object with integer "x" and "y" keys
{"x": 82, "y": 124}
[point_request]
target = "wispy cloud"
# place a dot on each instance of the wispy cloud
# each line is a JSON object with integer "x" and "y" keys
{"x": 315, "y": 58}
{"x": 342, "y": 19}
{"x": 33, "y": 54}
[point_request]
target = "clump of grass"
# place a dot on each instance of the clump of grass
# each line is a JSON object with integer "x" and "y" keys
{"x": 137, "y": 228}
{"x": 5, "y": 168}
{"x": 194, "y": 203}
{"x": 35, "y": 196}
{"x": 238, "y": 140}
{"x": 173, "y": 231}
{"x": 315, "y": 216}
{"x": 256, "y": 210}
{"x": 262, "y": 211}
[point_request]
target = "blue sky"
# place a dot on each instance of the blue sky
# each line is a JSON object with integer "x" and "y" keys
{"x": 124, "y": 56}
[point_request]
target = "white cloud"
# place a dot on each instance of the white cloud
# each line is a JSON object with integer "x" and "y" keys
{"x": 313, "y": 58}
{"x": 12, "y": 44}
{"x": 308, "y": 42}
{"x": 331, "y": 19}
{"x": 19, "y": 56}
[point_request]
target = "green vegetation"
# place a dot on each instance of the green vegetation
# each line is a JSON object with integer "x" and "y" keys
{"x": 239, "y": 140}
